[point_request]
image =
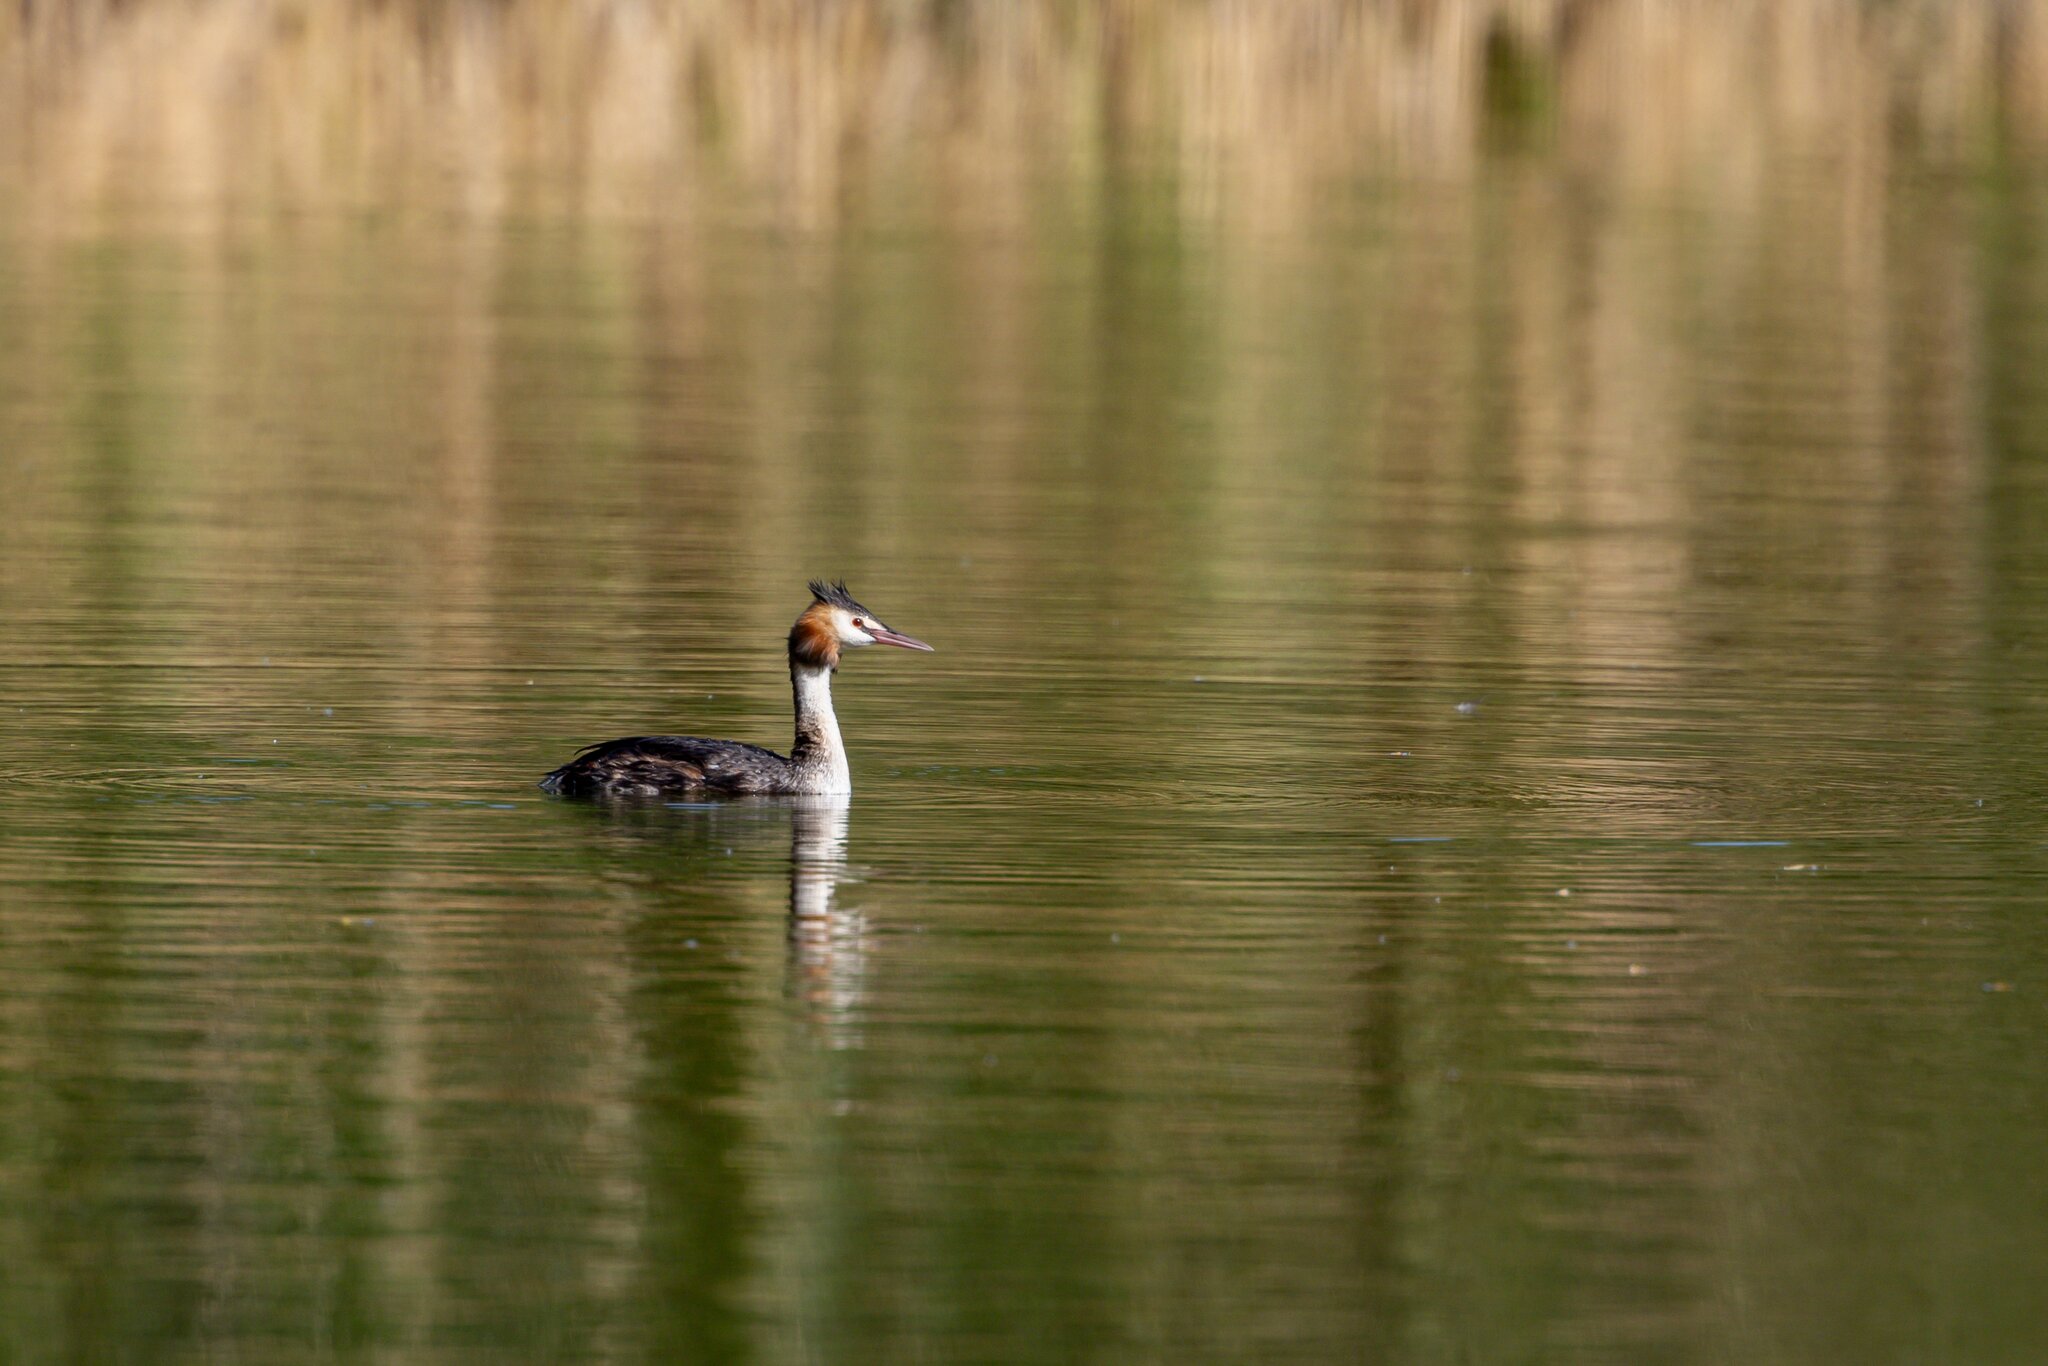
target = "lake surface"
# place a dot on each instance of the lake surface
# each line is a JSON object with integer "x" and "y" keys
{"x": 1480, "y": 798}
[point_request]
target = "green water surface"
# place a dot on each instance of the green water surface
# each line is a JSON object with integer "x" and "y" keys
{"x": 1480, "y": 798}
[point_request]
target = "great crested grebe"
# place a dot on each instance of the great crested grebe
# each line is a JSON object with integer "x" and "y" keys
{"x": 685, "y": 765}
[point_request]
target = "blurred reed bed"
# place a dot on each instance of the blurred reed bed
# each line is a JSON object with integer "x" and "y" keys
{"x": 1257, "y": 107}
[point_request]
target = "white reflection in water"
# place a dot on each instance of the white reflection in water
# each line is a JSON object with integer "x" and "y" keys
{"x": 827, "y": 945}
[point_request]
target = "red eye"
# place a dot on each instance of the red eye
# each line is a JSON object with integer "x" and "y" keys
{"x": 859, "y": 625}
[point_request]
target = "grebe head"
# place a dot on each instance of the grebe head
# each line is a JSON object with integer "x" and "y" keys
{"x": 835, "y": 622}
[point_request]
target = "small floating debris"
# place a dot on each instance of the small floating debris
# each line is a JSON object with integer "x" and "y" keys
{"x": 1636, "y": 969}
{"x": 358, "y": 922}
{"x": 1997, "y": 986}
{"x": 1800, "y": 868}
{"x": 1466, "y": 708}
{"x": 1564, "y": 891}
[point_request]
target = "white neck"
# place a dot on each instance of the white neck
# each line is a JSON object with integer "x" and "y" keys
{"x": 819, "y": 753}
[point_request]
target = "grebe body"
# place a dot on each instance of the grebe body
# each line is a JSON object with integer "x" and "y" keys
{"x": 686, "y": 765}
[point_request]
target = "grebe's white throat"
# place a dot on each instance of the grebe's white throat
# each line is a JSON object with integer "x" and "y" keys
{"x": 819, "y": 753}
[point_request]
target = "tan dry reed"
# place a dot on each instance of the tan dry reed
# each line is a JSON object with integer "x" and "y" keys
{"x": 1257, "y": 109}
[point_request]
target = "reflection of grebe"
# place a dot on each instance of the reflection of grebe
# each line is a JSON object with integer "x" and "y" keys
{"x": 661, "y": 765}
{"x": 826, "y": 951}
{"x": 817, "y": 858}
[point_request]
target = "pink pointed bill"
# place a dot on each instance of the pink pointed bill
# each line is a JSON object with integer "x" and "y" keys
{"x": 884, "y": 636}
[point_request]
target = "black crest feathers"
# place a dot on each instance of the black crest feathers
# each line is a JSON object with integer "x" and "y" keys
{"x": 835, "y": 595}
